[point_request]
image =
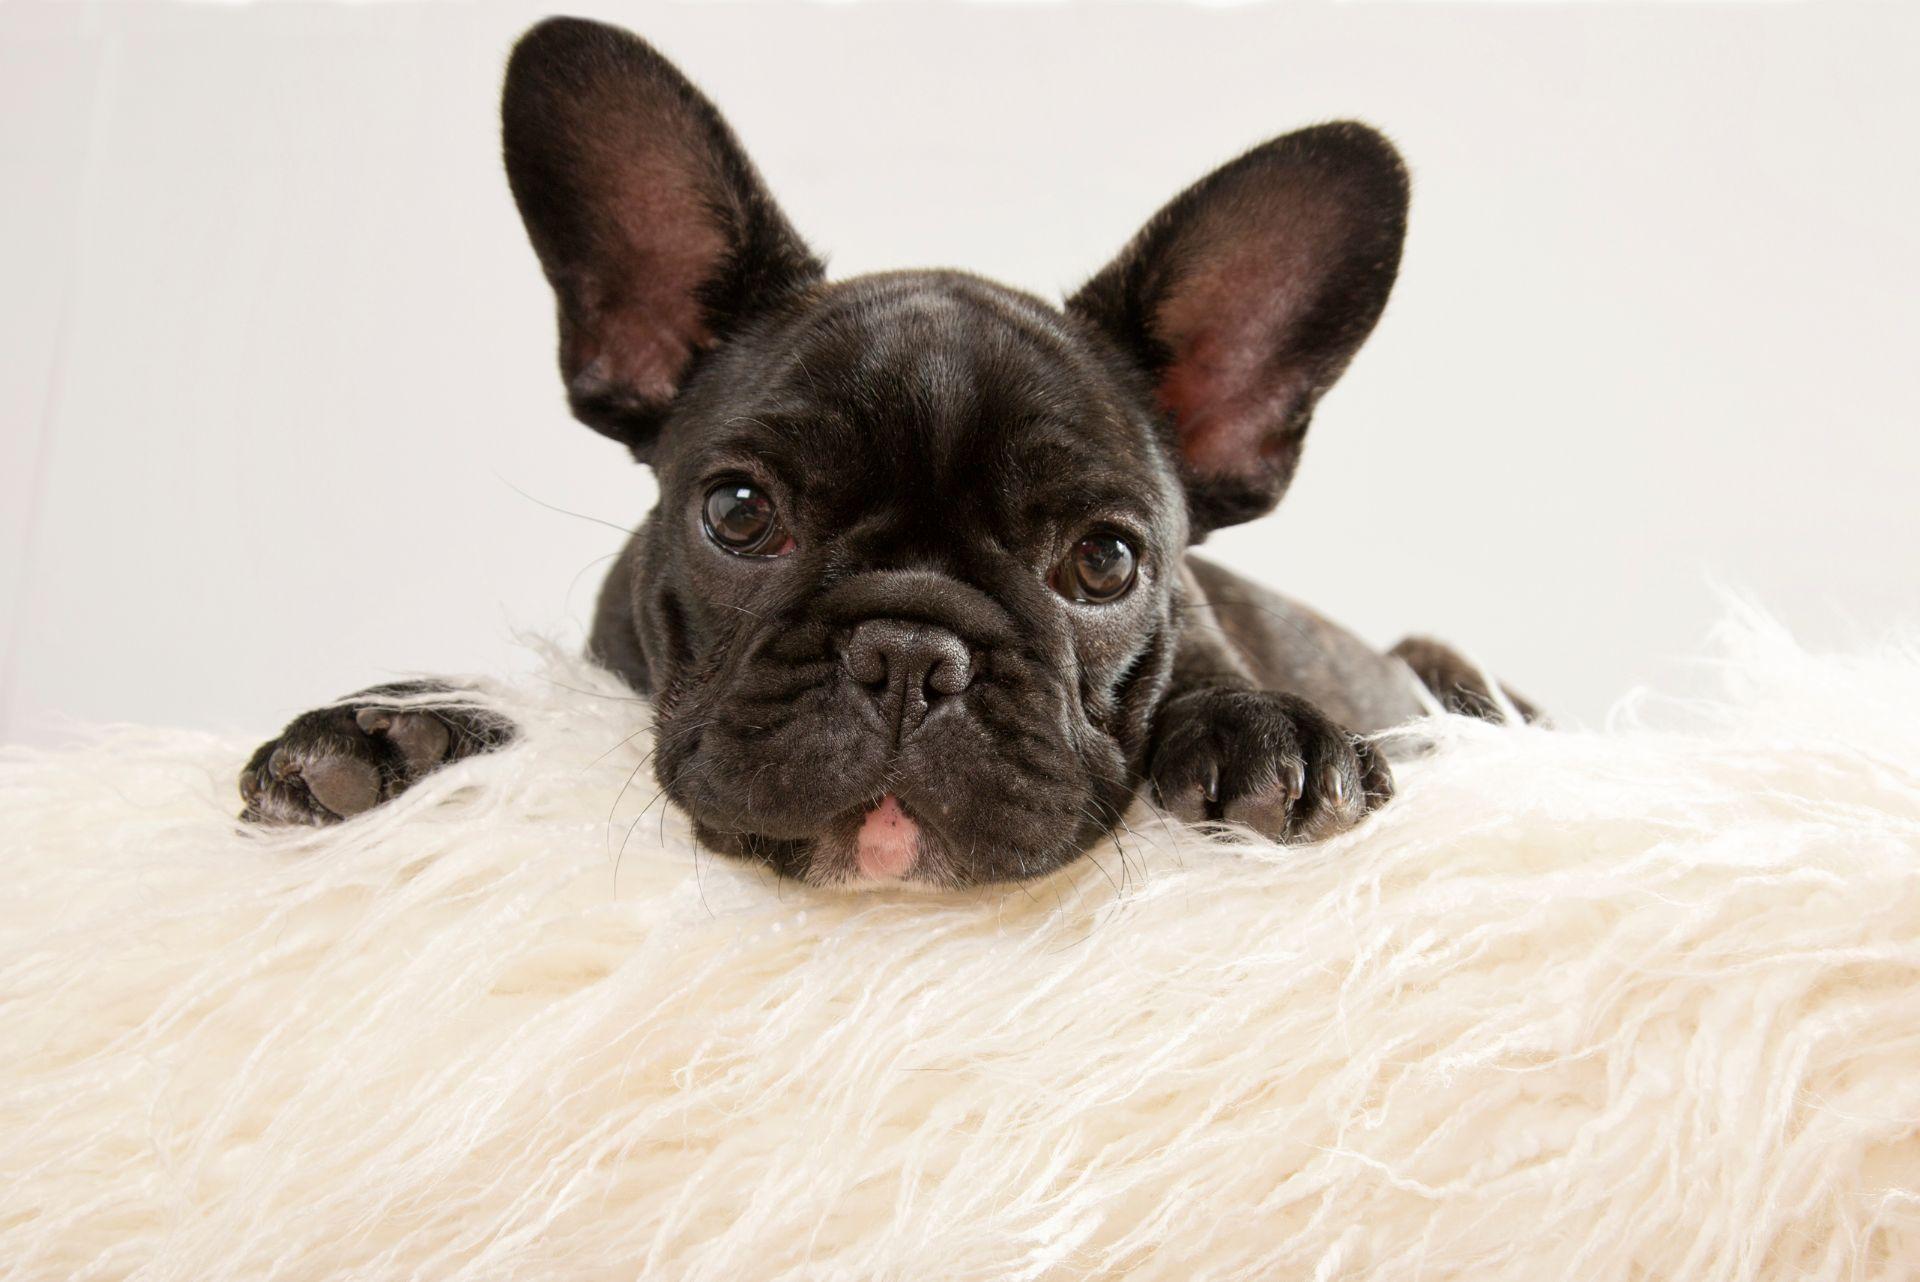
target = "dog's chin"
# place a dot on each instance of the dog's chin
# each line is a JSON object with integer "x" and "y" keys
{"x": 881, "y": 846}
{"x": 830, "y": 860}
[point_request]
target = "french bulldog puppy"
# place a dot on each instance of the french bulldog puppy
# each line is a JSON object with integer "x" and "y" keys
{"x": 916, "y": 601}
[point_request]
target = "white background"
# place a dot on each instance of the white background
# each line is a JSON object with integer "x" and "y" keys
{"x": 278, "y": 361}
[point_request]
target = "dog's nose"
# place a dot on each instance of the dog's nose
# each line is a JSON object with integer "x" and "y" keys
{"x": 907, "y": 667}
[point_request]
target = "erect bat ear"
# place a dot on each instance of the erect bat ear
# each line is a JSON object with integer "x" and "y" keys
{"x": 657, "y": 235}
{"x": 1245, "y": 298}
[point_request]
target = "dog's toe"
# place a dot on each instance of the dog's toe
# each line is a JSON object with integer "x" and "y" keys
{"x": 343, "y": 785}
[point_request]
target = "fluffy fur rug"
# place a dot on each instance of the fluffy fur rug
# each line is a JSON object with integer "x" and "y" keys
{"x": 1633, "y": 1004}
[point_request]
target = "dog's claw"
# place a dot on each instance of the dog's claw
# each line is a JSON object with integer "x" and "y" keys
{"x": 1294, "y": 775}
{"x": 1335, "y": 782}
{"x": 282, "y": 766}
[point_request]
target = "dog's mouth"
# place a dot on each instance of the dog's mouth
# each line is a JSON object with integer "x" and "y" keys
{"x": 886, "y": 846}
{"x": 1000, "y": 793}
{"x": 885, "y": 841}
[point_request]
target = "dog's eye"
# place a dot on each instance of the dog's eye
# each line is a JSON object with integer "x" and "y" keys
{"x": 1100, "y": 568}
{"x": 741, "y": 518}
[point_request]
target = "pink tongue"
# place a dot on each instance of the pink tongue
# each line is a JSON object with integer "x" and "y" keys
{"x": 888, "y": 841}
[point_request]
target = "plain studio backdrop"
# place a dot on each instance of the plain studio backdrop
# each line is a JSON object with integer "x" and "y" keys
{"x": 282, "y": 418}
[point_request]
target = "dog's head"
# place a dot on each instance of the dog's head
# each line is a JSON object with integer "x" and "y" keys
{"x": 910, "y": 597}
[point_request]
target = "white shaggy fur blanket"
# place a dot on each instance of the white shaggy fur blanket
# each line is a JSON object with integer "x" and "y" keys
{"x": 1633, "y": 1004}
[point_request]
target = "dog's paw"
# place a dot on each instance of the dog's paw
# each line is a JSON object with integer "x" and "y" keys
{"x": 335, "y": 762}
{"x": 1269, "y": 761}
{"x": 1460, "y": 686}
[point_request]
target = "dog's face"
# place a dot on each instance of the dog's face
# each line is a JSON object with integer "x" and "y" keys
{"x": 911, "y": 595}
{"x": 914, "y": 540}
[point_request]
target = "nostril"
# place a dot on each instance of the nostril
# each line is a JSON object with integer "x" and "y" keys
{"x": 866, "y": 660}
{"x": 952, "y": 669}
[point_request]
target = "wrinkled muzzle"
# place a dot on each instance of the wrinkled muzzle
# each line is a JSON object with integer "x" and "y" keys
{"x": 899, "y": 726}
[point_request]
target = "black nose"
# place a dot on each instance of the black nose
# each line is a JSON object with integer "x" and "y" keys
{"x": 907, "y": 667}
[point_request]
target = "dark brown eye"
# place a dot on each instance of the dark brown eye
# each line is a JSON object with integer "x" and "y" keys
{"x": 741, "y": 518}
{"x": 1100, "y": 568}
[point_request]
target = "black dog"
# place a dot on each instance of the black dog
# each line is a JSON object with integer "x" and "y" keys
{"x": 916, "y": 599}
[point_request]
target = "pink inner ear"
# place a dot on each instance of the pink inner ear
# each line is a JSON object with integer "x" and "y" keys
{"x": 1227, "y": 402}
{"x": 1223, "y": 406}
{"x": 661, "y": 242}
{"x": 637, "y": 354}
{"x": 1233, "y": 382}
